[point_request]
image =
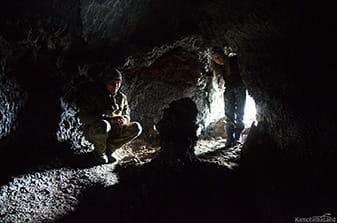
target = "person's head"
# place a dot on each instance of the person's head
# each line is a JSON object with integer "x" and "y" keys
{"x": 112, "y": 80}
{"x": 217, "y": 55}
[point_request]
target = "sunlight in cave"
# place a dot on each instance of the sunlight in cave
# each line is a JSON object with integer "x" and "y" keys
{"x": 250, "y": 111}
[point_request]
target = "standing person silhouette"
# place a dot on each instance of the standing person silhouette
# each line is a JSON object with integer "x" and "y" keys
{"x": 234, "y": 94}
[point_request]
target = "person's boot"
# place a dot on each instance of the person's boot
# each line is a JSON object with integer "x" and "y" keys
{"x": 237, "y": 132}
{"x": 237, "y": 135}
{"x": 101, "y": 158}
{"x": 111, "y": 158}
{"x": 230, "y": 139}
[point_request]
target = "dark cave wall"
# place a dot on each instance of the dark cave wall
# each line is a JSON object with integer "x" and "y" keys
{"x": 121, "y": 26}
{"x": 13, "y": 99}
{"x": 289, "y": 79}
{"x": 273, "y": 40}
{"x": 284, "y": 50}
{"x": 172, "y": 76}
{"x": 151, "y": 82}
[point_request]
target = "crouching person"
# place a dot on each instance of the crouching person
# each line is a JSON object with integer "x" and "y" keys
{"x": 105, "y": 114}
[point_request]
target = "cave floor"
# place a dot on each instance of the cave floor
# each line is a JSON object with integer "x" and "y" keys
{"x": 51, "y": 191}
{"x": 207, "y": 149}
{"x": 68, "y": 187}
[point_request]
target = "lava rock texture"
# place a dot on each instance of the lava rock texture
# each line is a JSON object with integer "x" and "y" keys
{"x": 49, "y": 48}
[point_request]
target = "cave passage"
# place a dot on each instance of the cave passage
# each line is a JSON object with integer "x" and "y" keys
{"x": 250, "y": 111}
{"x": 284, "y": 169}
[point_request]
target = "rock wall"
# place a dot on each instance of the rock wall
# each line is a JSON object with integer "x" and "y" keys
{"x": 12, "y": 96}
{"x": 168, "y": 73}
{"x": 152, "y": 81}
{"x": 273, "y": 41}
{"x": 12, "y": 99}
{"x": 280, "y": 67}
{"x": 286, "y": 54}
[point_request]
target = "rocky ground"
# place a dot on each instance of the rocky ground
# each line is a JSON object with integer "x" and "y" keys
{"x": 212, "y": 151}
{"x": 52, "y": 191}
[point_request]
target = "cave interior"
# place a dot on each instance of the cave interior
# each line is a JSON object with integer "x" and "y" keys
{"x": 177, "y": 170}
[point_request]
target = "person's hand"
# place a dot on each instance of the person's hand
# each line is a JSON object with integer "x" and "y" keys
{"x": 120, "y": 120}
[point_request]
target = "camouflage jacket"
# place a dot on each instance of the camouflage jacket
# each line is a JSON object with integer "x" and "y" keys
{"x": 95, "y": 103}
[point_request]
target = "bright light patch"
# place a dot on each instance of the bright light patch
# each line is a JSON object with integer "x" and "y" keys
{"x": 250, "y": 111}
{"x": 216, "y": 113}
{"x": 216, "y": 100}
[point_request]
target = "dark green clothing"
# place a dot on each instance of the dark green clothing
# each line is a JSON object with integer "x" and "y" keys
{"x": 107, "y": 137}
{"x": 97, "y": 101}
{"x": 229, "y": 71}
{"x": 102, "y": 131}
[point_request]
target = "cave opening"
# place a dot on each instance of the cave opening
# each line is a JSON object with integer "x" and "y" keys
{"x": 250, "y": 111}
{"x": 163, "y": 74}
{"x": 284, "y": 170}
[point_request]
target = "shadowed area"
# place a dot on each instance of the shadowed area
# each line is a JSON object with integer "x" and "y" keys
{"x": 178, "y": 169}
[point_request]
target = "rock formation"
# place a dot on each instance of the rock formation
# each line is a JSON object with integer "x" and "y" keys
{"x": 50, "y": 49}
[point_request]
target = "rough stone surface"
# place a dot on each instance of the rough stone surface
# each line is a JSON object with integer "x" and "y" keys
{"x": 272, "y": 62}
{"x": 12, "y": 99}
{"x": 177, "y": 131}
{"x": 165, "y": 74}
{"x": 51, "y": 194}
{"x": 47, "y": 195}
{"x": 52, "y": 190}
{"x": 285, "y": 51}
{"x": 70, "y": 129}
